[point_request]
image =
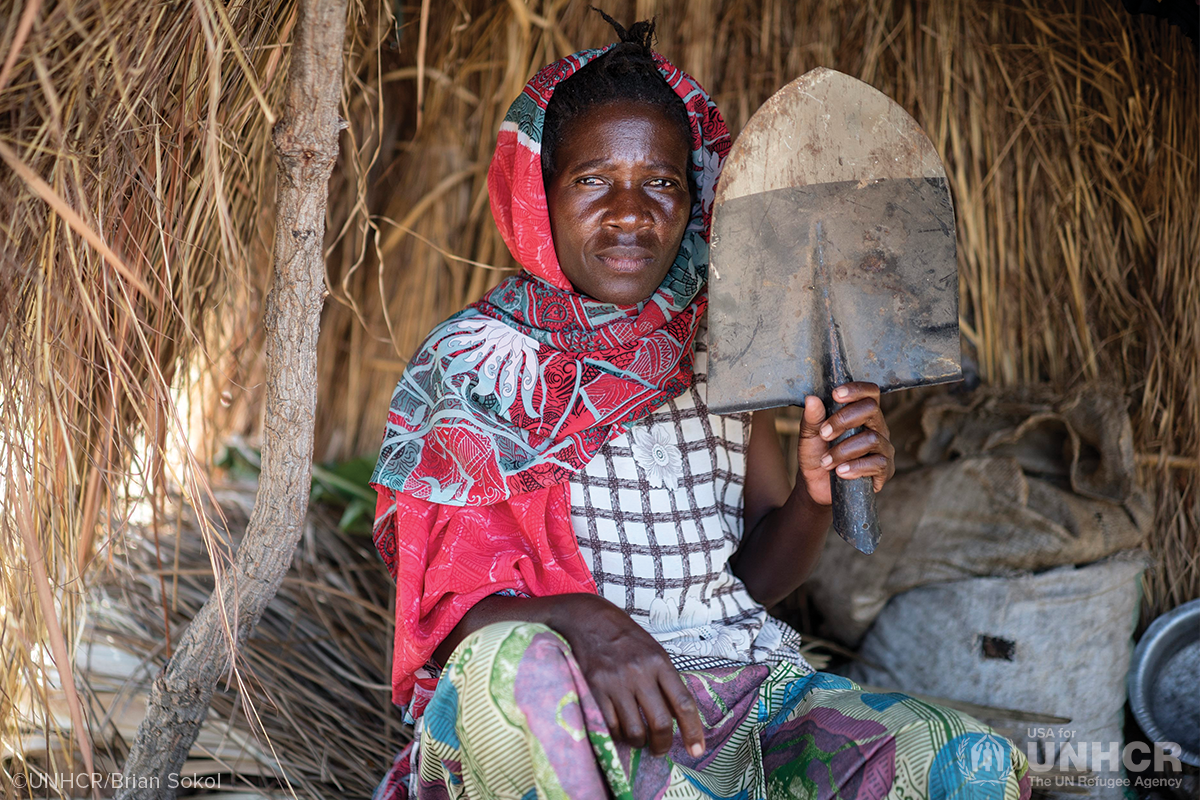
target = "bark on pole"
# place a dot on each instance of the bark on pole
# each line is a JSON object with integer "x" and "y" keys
{"x": 306, "y": 144}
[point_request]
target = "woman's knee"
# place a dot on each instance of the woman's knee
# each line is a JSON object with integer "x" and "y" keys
{"x": 477, "y": 682}
{"x": 492, "y": 668}
{"x": 965, "y": 758}
{"x": 501, "y": 681}
{"x": 512, "y": 706}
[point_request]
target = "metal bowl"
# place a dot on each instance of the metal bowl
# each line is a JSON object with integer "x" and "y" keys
{"x": 1164, "y": 680}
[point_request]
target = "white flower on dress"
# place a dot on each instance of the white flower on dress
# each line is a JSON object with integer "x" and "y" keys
{"x": 505, "y": 358}
{"x": 657, "y": 455}
{"x": 690, "y": 632}
{"x": 666, "y": 623}
{"x": 770, "y": 635}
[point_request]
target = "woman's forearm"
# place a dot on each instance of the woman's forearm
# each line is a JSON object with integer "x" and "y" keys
{"x": 780, "y": 552}
{"x": 499, "y": 608}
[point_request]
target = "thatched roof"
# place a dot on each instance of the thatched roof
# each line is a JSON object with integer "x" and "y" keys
{"x": 136, "y": 217}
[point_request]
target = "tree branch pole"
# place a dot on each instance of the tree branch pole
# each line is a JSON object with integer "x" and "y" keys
{"x": 306, "y": 144}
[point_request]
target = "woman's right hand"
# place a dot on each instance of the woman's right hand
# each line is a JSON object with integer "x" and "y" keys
{"x": 638, "y": 689}
{"x": 633, "y": 680}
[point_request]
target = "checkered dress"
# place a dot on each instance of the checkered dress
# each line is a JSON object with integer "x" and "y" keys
{"x": 658, "y": 515}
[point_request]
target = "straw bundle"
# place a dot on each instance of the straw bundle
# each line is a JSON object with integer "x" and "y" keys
{"x": 137, "y": 215}
{"x": 310, "y": 709}
{"x": 136, "y": 187}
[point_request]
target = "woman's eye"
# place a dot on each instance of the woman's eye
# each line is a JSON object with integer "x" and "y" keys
{"x": 590, "y": 180}
{"x": 662, "y": 182}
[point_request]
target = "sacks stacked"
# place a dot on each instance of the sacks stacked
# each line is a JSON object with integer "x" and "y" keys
{"x": 1008, "y": 572}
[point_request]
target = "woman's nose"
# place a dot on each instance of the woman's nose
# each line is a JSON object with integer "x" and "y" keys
{"x": 629, "y": 208}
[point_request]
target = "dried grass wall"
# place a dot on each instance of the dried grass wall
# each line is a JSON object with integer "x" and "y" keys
{"x": 134, "y": 192}
{"x": 135, "y": 216}
{"x": 1067, "y": 128}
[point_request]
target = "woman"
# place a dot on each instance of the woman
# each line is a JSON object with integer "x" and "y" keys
{"x": 586, "y": 549}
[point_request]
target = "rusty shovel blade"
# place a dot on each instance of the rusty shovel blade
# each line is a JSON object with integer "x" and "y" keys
{"x": 833, "y": 260}
{"x": 889, "y": 273}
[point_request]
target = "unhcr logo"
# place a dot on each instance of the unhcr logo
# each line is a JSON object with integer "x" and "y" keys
{"x": 1085, "y": 765}
{"x": 988, "y": 756}
{"x": 1103, "y": 756}
{"x": 978, "y": 760}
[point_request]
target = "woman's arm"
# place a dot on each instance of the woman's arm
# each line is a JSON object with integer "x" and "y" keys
{"x": 632, "y": 678}
{"x": 784, "y": 526}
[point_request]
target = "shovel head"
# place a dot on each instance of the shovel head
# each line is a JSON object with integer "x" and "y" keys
{"x": 888, "y": 251}
{"x": 833, "y": 256}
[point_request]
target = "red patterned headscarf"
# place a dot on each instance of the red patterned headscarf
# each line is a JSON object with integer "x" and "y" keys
{"x": 509, "y": 398}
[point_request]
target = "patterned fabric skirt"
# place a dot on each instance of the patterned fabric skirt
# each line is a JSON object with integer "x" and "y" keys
{"x": 512, "y": 717}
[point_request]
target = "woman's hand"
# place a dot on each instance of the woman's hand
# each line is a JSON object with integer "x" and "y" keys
{"x": 785, "y": 525}
{"x": 868, "y": 453}
{"x": 633, "y": 680}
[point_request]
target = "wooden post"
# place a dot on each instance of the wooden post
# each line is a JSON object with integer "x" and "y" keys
{"x": 306, "y": 144}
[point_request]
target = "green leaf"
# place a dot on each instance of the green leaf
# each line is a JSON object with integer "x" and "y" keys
{"x": 357, "y": 516}
{"x": 335, "y": 483}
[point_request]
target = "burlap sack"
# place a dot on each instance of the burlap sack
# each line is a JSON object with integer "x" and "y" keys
{"x": 1057, "y": 643}
{"x": 998, "y": 485}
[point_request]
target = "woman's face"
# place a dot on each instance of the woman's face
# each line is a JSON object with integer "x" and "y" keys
{"x": 619, "y": 202}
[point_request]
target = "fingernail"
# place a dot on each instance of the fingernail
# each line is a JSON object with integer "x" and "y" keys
{"x": 697, "y": 750}
{"x": 826, "y": 431}
{"x": 839, "y": 393}
{"x": 826, "y": 460}
{"x": 843, "y": 469}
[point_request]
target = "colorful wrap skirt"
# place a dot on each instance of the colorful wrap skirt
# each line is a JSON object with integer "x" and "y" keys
{"x": 513, "y": 717}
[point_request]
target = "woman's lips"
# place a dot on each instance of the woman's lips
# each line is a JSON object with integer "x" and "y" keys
{"x": 632, "y": 261}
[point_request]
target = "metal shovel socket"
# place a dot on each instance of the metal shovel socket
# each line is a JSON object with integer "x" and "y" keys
{"x": 854, "y": 515}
